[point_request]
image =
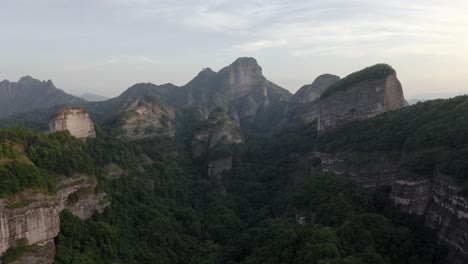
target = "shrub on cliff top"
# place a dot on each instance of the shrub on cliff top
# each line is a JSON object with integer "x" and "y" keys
{"x": 375, "y": 72}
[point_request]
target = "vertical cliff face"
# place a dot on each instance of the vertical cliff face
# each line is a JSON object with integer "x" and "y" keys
{"x": 411, "y": 195}
{"x": 145, "y": 118}
{"x": 436, "y": 197}
{"x": 359, "y": 98}
{"x": 34, "y": 216}
{"x": 447, "y": 212}
{"x": 213, "y": 142}
{"x": 219, "y": 130}
{"x": 74, "y": 119}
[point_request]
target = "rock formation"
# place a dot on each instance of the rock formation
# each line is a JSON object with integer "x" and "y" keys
{"x": 240, "y": 89}
{"x": 304, "y": 105}
{"x": 311, "y": 92}
{"x": 145, "y": 118}
{"x": 34, "y": 216}
{"x": 360, "y": 95}
{"x": 74, "y": 119}
{"x": 436, "y": 197}
{"x": 219, "y": 130}
{"x": 29, "y": 94}
{"x": 213, "y": 141}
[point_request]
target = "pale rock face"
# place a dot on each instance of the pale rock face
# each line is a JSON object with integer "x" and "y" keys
{"x": 217, "y": 132}
{"x": 144, "y": 119}
{"x": 39, "y": 220}
{"x": 74, "y": 119}
{"x": 361, "y": 101}
{"x": 240, "y": 89}
{"x": 436, "y": 197}
{"x": 411, "y": 195}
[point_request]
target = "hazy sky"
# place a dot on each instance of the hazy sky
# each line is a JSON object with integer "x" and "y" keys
{"x": 105, "y": 46}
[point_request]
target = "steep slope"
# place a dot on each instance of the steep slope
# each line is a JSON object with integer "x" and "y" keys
{"x": 420, "y": 151}
{"x": 212, "y": 142}
{"x": 241, "y": 90}
{"x": 304, "y": 104}
{"x": 29, "y": 93}
{"x": 74, "y": 119}
{"x": 145, "y": 118}
{"x": 309, "y": 93}
{"x": 40, "y": 176}
{"x": 360, "y": 95}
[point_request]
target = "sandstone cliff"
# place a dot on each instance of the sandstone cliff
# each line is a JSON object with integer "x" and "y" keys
{"x": 145, "y": 118}
{"x": 34, "y": 216}
{"x": 361, "y": 95}
{"x": 435, "y": 197}
{"x": 212, "y": 142}
{"x": 74, "y": 119}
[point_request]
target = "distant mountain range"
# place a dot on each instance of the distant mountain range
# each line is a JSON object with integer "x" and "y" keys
{"x": 29, "y": 94}
{"x": 93, "y": 97}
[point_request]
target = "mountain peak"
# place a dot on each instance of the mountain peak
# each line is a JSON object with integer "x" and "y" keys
{"x": 310, "y": 92}
{"x": 26, "y": 78}
{"x": 247, "y": 63}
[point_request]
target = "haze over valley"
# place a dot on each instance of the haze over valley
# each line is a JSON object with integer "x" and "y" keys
{"x": 238, "y": 132}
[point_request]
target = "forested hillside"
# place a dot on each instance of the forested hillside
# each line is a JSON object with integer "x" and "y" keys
{"x": 436, "y": 132}
{"x": 165, "y": 209}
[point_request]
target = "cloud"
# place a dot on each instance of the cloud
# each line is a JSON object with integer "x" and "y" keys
{"x": 261, "y": 44}
{"x": 126, "y": 59}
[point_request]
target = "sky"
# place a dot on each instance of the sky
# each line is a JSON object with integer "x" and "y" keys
{"x": 105, "y": 46}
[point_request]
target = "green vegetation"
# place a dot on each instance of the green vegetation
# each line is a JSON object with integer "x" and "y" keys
{"x": 436, "y": 132}
{"x": 20, "y": 204}
{"x": 75, "y": 197}
{"x": 169, "y": 210}
{"x": 14, "y": 253}
{"x": 172, "y": 212}
{"x": 375, "y": 72}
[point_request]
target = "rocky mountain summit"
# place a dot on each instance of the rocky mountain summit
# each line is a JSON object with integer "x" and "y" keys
{"x": 145, "y": 118}
{"x": 361, "y": 95}
{"x": 74, "y": 119}
{"x": 29, "y": 94}
{"x": 240, "y": 89}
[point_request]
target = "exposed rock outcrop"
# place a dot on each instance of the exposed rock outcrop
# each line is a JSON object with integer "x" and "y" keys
{"x": 436, "y": 197}
{"x": 28, "y": 94}
{"x": 145, "y": 118}
{"x": 411, "y": 195}
{"x": 359, "y": 100}
{"x": 34, "y": 215}
{"x": 213, "y": 143}
{"x": 219, "y": 130}
{"x": 74, "y": 119}
{"x": 240, "y": 89}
